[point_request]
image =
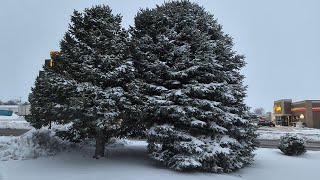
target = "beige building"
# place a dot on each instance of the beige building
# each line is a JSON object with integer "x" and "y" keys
{"x": 24, "y": 109}
{"x": 288, "y": 113}
{"x": 21, "y": 109}
{"x": 13, "y": 108}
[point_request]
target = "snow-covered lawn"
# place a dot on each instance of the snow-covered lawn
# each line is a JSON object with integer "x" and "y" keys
{"x": 127, "y": 160}
{"x": 310, "y": 134}
{"x": 13, "y": 122}
{"x": 12, "y": 117}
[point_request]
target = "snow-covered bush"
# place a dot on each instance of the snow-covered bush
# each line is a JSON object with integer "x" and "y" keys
{"x": 292, "y": 144}
{"x": 32, "y": 144}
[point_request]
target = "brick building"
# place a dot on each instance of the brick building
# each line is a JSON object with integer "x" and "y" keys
{"x": 288, "y": 113}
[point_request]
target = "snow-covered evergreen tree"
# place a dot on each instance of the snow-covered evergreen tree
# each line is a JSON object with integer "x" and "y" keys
{"x": 195, "y": 91}
{"x": 94, "y": 55}
{"x": 49, "y": 99}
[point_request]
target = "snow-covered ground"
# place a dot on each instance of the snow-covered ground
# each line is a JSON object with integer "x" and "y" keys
{"x": 12, "y": 117}
{"x": 310, "y": 134}
{"x": 14, "y": 125}
{"x": 13, "y": 122}
{"x": 34, "y": 143}
{"x": 128, "y": 160}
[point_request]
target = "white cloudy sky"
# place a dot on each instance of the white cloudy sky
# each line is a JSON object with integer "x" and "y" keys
{"x": 280, "y": 39}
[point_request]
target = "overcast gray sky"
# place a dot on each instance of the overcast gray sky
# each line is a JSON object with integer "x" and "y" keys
{"x": 280, "y": 39}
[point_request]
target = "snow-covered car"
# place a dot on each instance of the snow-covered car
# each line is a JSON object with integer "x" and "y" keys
{"x": 266, "y": 123}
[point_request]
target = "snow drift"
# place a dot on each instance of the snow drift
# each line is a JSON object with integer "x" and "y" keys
{"x": 12, "y": 117}
{"x": 32, "y": 144}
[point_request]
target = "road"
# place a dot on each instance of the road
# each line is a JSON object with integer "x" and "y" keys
{"x": 263, "y": 143}
{"x": 13, "y": 132}
{"x": 274, "y": 143}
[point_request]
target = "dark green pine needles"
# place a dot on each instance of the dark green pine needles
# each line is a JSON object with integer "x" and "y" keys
{"x": 175, "y": 75}
{"x": 194, "y": 91}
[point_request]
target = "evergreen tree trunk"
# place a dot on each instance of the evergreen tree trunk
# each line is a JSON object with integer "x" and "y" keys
{"x": 100, "y": 145}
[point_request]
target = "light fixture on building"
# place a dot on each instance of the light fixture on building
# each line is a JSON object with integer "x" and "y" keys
{"x": 301, "y": 116}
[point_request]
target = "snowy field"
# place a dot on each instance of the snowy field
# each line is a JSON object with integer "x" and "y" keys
{"x": 127, "y": 160}
{"x": 309, "y": 134}
{"x": 13, "y": 122}
{"x": 40, "y": 155}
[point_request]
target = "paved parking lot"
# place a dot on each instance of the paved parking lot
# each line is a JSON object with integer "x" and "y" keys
{"x": 13, "y": 132}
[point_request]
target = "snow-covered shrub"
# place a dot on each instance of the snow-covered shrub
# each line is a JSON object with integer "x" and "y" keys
{"x": 292, "y": 144}
{"x": 32, "y": 144}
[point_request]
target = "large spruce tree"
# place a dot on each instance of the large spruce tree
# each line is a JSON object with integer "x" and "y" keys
{"x": 191, "y": 78}
{"x": 94, "y": 56}
{"x": 90, "y": 85}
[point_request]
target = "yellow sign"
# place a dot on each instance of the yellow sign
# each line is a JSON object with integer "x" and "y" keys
{"x": 51, "y": 63}
{"x": 277, "y": 108}
{"x": 53, "y": 53}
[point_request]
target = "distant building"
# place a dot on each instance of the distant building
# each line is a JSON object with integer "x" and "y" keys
{"x": 13, "y": 108}
{"x": 21, "y": 109}
{"x": 24, "y": 109}
{"x": 288, "y": 113}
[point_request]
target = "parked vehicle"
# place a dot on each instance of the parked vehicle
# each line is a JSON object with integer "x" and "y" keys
{"x": 266, "y": 123}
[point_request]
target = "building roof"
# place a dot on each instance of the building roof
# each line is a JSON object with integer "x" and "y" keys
{"x": 290, "y": 100}
{"x": 313, "y": 101}
{"x": 9, "y": 106}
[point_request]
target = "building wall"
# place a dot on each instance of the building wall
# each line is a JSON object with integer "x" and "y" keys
{"x": 24, "y": 109}
{"x": 286, "y": 107}
{"x": 309, "y": 108}
{"x": 309, "y": 115}
{"x": 299, "y": 108}
{"x": 13, "y": 108}
{"x": 315, "y": 104}
{"x": 21, "y": 109}
{"x": 316, "y": 113}
{"x": 298, "y": 105}
{"x": 316, "y": 119}
{"x": 275, "y": 105}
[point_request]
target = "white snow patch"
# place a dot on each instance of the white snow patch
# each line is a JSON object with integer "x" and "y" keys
{"x": 131, "y": 162}
{"x": 121, "y": 68}
{"x": 14, "y": 123}
{"x": 12, "y": 117}
{"x": 32, "y": 144}
{"x": 196, "y": 122}
{"x": 269, "y": 133}
{"x": 178, "y": 93}
{"x": 227, "y": 139}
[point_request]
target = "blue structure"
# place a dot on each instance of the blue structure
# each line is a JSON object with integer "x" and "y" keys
{"x": 5, "y": 113}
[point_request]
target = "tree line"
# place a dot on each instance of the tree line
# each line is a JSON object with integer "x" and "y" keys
{"x": 172, "y": 78}
{"x": 10, "y": 102}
